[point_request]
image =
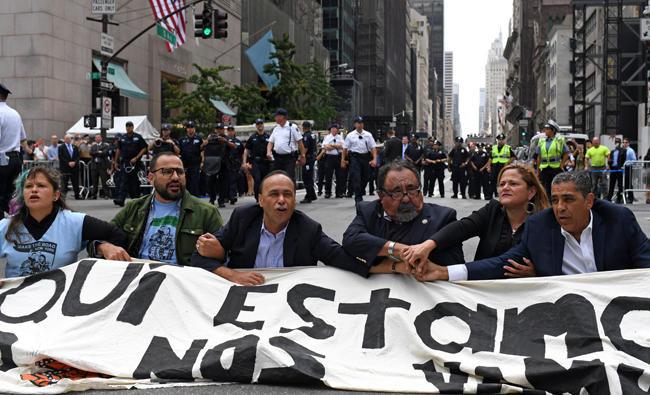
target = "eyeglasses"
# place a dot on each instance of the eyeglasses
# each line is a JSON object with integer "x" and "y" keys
{"x": 398, "y": 195}
{"x": 168, "y": 171}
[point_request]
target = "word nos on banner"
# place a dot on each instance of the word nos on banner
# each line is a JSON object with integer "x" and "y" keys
{"x": 98, "y": 324}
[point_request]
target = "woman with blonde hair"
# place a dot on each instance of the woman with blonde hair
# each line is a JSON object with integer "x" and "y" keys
{"x": 499, "y": 224}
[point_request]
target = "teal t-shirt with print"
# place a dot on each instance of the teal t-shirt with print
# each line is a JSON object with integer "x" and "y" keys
{"x": 158, "y": 242}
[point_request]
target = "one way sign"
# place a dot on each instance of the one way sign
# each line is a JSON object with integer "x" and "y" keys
{"x": 645, "y": 29}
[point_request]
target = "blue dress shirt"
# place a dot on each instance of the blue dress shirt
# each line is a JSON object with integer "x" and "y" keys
{"x": 271, "y": 249}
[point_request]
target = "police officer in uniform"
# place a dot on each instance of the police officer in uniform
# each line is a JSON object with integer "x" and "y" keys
{"x": 458, "y": 161}
{"x": 216, "y": 154}
{"x": 236, "y": 154}
{"x": 256, "y": 150}
{"x": 427, "y": 159}
{"x": 333, "y": 146}
{"x": 480, "y": 177}
{"x": 500, "y": 156}
{"x": 414, "y": 154}
{"x": 164, "y": 143}
{"x": 130, "y": 149}
{"x": 284, "y": 145}
{"x": 360, "y": 147}
{"x": 190, "y": 148}
{"x": 439, "y": 161}
{"x": 552, "y": 154}
{"x": 12, "y": 137}
{"x": 100, "y": 166}
{"x": 309, "y": 142}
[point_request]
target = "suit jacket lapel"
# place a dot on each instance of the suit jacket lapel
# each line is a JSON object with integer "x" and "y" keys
{"x": 253, "y": 241}
{"x": 557, "y": 248}
{"x": 290, "y": 244}
{"x": 598, "y": 238}
{"x": 419, "y": 227}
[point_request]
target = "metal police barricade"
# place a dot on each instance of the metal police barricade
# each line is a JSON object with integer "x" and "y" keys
{"x": 636, "y": 177}
{"x": 142, "y": 175}
{"x": 28, "y": 164}
{"x": 84, "y": 179}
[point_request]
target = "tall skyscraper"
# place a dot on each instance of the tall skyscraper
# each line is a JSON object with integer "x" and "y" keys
{"x": 481, "y": 111}
{"x": 457, "y": 127}
{"x": 449, "y": 86}
{"x": 495, "y": 86}
{"x": 434, "y": 11}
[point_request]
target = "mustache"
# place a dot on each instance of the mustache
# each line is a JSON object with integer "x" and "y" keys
{"x": 175, "y": 183}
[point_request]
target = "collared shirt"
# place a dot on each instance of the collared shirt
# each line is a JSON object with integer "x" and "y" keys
{"x": 12, "y": 131}
{"x": 285, "y": 138}
{"x": 404, "y": 147}
{"x": 53, "y": 153}
{"x": 270, "y": 251}
{"x": 579, "y": 257}
{"x": 358, "y": 145}
{"x": 331, "y": 139}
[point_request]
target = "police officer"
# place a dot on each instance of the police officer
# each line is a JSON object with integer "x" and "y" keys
{"x": 256, "y": 150}
{"x": 471, "y": 174}
{"x": 480, "y": 176}
{"x": 360, "y": 147}
{"x": 130, "y": 149}
{"x": 284, "y": 145}
{"x": 439, "y": 160}
{"x": 552, "y": 154}
{"x": 500, "y": 156}
{"x": 458, "y": 161}
{"x": 309, "y": 142}
{"x": 100, "y": 166}
{"x": 333, "y": 146}
{"x": 190, "y": 149}
{"x": 164, "y": 143}
{"x": 216, "y": 152}
{"x": 12, "y": 137}
{"x": 236, "y": 174}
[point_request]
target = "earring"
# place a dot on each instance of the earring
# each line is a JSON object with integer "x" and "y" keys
{"x": 530, "y": 207}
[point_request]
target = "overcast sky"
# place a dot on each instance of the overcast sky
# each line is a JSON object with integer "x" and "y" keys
{"x": 470, "y": 28}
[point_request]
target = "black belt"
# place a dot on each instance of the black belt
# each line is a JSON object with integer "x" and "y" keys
{"x": 13, "y": 153}
{"x": 359, "y": 155}
{"x": 285, "y": 156}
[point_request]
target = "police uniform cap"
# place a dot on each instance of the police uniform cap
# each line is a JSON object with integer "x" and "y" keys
{"x": 219, "y": 125}
{"x": 358, "y": 119}
{"x": 4, "y": 89}
{"x": 413, "y": 137}
{"x": 501, "y": 137}
{"x": 165, "y": 127}
{"x": 129, "y": 123}
{"x": 458, "y": 139}
{"x": 306, "y": 124}
{"x": 480, "y": 145}
{"x": 334, "y": 125}
{"x": 552, "y": 125}
{"x": 281, "y": 111}
{"x": 190, "y": 124}
{"x": 259, "y": 121}
{"x": 231, "y": 127}
{"x": 437, "y": 142}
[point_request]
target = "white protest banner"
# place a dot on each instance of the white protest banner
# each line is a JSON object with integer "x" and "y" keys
{"x": 101, "y": 324}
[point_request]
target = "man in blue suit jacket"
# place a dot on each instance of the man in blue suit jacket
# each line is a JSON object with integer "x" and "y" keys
{"x": 383, "y": 228}
{"x": 271, "y": 235}
{"x": 578, "y": 234}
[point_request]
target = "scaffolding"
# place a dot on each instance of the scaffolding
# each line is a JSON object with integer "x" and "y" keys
{"x": 620, "y": 58}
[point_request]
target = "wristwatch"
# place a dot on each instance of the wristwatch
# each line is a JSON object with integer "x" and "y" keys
{"x": 392, "y": 256}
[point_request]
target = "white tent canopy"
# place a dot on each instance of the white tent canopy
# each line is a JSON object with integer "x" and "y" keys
{"x": 141, "y": 125}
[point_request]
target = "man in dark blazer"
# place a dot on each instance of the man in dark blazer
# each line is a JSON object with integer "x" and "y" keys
{"x": 392, "y": 148}
{"x": 69, "y": 165}
{"x": 579, "y": 234}
{"x": 271, "y": 235}
{"x": 383, "y": 228}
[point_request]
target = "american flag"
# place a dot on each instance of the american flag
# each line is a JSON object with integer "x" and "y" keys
{"x": 175, "y": 24}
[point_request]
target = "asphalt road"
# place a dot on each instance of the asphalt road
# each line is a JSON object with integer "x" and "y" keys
{"x": 334, "y": 215}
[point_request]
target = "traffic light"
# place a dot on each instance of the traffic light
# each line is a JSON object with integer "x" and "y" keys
{"x": 90, "y": 121}
{"x": 203, "y": 24}
{"x": 220, "y": 24}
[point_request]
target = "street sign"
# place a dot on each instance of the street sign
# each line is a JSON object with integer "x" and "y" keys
{"x": 107, "y": 85}
{"x": 103, "y": 6}
{"x": 166, "y": 34}
{"x": 106, "y": 112}
{"x": 645, "y": 29}
{"x": 95, "y": 75}
{"x": 106, "y": 45}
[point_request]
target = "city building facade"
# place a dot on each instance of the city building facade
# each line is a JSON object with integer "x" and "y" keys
{"x": 558, "y": 95}
{"x": 422, "y": 103}
{"x": 495, "y": 88}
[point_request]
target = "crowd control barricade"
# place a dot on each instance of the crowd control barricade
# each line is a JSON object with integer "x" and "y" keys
{"x": 636, "y": 177}
{"x": 84, "y": 179}
{"x": 28, "y": 164}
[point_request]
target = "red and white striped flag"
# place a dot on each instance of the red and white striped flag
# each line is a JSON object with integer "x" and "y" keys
{"x": 175, "y": 24}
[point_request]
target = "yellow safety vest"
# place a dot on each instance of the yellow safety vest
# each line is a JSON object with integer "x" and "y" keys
{"x": 553, "y": 157}
{"x": 501, "y": 157}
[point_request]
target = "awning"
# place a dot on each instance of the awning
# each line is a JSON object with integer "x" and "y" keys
{"x": 117, "y": 75}
{"x": 222, "y": 107}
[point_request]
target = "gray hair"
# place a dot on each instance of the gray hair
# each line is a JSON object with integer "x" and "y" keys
{"x": 395, "y": 165}
{"x": 580, "y": 179}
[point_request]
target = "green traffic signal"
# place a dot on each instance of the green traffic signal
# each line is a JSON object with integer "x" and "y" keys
{"x": 207, "y": 31}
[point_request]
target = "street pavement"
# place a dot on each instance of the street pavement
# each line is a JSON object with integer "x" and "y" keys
{"x": 334, "y": 215}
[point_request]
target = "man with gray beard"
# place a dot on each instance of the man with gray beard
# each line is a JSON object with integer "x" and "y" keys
{"x": 383, "y": 228}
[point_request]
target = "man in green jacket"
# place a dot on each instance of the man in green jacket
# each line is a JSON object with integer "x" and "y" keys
{"x": 165, "y": 225}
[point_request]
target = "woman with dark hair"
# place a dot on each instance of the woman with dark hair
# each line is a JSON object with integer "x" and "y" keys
{"x": 499, "y": 224}
{"x": 44, "y": 234}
